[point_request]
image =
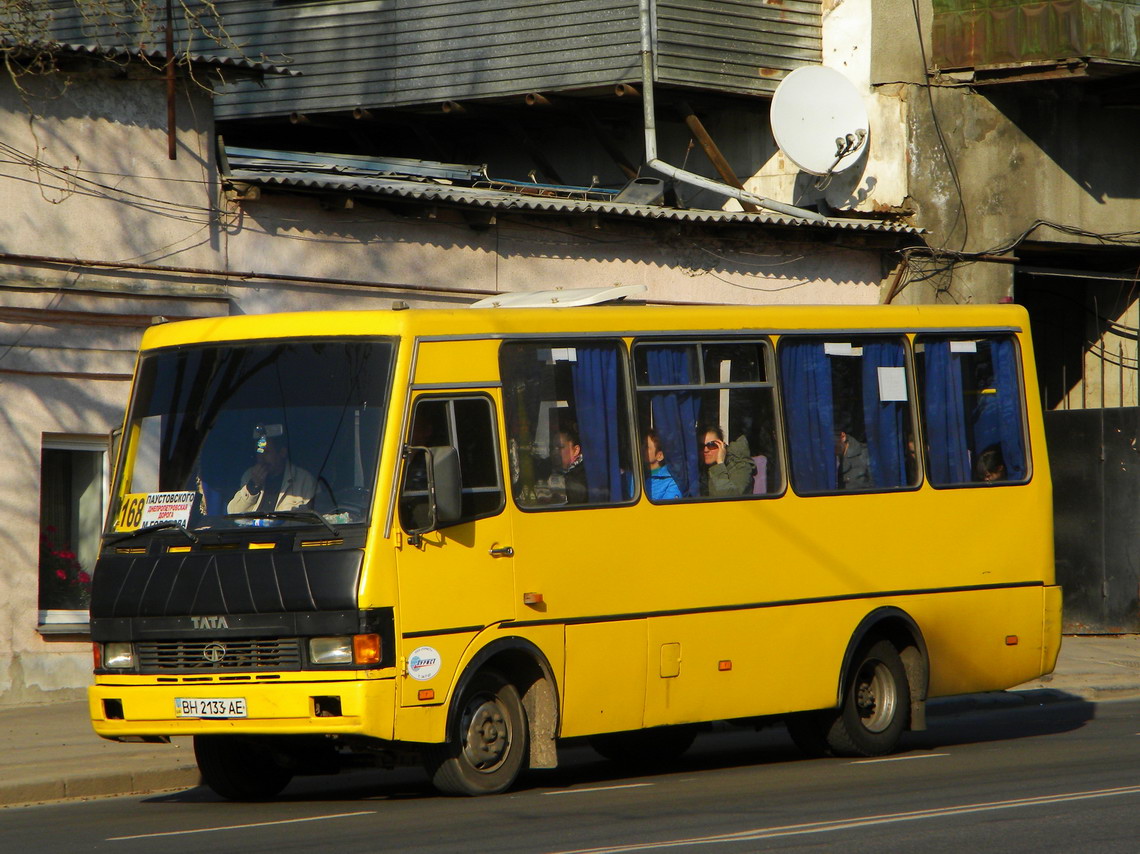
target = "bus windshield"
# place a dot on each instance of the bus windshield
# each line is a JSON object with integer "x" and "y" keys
{"x": 235, "y": 435}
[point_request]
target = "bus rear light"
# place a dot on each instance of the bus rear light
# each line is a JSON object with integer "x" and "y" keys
{"x": 366, "y": 649}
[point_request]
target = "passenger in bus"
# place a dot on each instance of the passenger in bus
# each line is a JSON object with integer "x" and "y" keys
{"x": 272, "y": 482}
{"x": 567, "y": 460}
{"x": 728, "y": 467}
{"x": 990, "y": 465}
{"x": 852, "y": 463}
{"x": 659, "y": 482}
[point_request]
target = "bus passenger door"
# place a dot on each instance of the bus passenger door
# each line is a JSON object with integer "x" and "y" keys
{"x": 456, "y": 580}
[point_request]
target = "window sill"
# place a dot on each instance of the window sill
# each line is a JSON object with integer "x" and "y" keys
{"x": 62, "y": 622}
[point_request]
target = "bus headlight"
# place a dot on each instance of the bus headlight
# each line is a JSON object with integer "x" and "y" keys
{"x": 118, "y": 656}
{"x": 353, "y": 649}
{"x": 330, "y": 650}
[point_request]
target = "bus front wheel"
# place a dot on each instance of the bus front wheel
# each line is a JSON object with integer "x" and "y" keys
{"x": 489, "y": 742}
{"x": 240, "y": 769}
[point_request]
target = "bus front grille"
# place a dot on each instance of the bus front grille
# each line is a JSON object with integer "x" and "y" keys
{"x": 205, "y": 656}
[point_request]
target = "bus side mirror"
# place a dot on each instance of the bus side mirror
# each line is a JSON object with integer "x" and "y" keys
{"x": 441, "y": 502}
{"x": 444, "y": 483}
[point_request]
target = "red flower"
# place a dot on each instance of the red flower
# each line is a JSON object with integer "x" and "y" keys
{"x": 67, "y": 555}
{"x": 61, "y": 575}
{"x": 84, "y": 578}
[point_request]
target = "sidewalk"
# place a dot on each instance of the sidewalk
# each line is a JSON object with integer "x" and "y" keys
{"x": 50, "y": 752}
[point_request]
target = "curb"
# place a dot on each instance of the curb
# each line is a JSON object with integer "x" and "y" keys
{"x": 111, "y": 784}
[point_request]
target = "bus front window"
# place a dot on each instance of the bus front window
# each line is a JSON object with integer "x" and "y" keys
{"x": 268, "y": 433}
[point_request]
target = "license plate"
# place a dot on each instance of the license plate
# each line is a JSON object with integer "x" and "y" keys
{"x": 210, "y": 707}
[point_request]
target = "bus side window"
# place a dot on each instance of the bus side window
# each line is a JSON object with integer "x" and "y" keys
{"x": 848, "y": 414}
{"x": 689, "y": 391}
{"x": 971, "y": 403}
{"x": 568, "y": 433}
{"x": 468, "y": 425}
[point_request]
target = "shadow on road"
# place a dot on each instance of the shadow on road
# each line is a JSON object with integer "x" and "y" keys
{"x": 956, "y": 721}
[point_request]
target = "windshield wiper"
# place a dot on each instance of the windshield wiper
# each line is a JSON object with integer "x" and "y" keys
{"x": 157, "y": 526}
{"x": 287, "y": 514}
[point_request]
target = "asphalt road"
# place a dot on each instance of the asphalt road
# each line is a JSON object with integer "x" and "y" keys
{"x": 1059, "y": 776}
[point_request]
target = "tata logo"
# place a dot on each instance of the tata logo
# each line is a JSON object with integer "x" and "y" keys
{"x": 214, "y": 652}
{"x": 209, "y": 622}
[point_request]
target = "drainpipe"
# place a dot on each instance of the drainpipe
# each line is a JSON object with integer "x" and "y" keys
{"x": 682, "y": 175}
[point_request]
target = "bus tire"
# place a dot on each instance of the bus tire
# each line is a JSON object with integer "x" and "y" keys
{"x": 486, "y": 752}
{"x": 876, "y": 704}
{"x": 240, "y": 769}
{"x": 646, "y": 746}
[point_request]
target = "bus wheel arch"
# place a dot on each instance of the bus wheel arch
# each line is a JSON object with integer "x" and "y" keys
{"x": 507, "y": 690}
{"x": 897, "y": 626}
{"x": 881, "y": 692}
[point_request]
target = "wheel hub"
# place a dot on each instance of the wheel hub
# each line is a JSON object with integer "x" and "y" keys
{"x": 488, "y": 735}
{"x": 875, "y": 697}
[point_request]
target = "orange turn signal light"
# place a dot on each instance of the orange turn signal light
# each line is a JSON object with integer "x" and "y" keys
{"x": 426, "y": 694}
{"x": 1011, "y": 640}
{"x": 726, "y": 664}
{"x": 366, "y": 649}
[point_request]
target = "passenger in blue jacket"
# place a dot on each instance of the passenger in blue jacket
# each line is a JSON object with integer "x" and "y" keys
{"x": 659, "y": 481}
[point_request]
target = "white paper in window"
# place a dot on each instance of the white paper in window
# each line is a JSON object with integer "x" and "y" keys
{"x": 892, "y": 384}
{"x": 963, "y": 346}
{"x": 841, "y": 348}
{"x": 564, "y": 354}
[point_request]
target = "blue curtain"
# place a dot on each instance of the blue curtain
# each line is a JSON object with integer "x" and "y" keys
{"x": 944, "y": 415}
{"x": 806, "y": 378}
{"x": 675, "y": 413}
{"x": 883, "y": 419}
{"x": 1003, "y": 353}
{"x": 596, "y": 395}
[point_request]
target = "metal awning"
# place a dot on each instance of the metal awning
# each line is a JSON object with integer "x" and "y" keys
{"x": 392, "y": 179}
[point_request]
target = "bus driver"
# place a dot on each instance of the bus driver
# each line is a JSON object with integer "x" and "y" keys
{"x": 272, "y": 482}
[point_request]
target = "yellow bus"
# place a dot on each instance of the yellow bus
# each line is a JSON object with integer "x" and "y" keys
{"x": 458, "y": 537}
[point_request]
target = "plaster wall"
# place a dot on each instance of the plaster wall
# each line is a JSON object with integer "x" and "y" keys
{"x": 451, "y": 263}
{"x": 83, "y": 159}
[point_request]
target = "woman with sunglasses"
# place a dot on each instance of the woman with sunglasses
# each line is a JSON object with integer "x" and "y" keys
{"x": 728, "y": 467}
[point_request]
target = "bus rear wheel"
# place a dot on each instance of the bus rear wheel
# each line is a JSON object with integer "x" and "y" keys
{"x": 240, "y": 769}
{"x": 489, "y": 742}
{"x": 873, "y": 715}
{"x": 876, "y": 704}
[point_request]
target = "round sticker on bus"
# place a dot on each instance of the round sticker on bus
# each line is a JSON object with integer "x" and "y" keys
{"x": 423, "y": 663}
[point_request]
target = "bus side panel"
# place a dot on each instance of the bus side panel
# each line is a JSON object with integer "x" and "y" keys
{"x": 763, "y": 661}
{"x": 986, "y": 640}
{"x": 605, "y": 677}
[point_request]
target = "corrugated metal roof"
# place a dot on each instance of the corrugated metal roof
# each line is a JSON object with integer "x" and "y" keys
{"x": 151, "y": 57}
{"x": 541, "y": 200}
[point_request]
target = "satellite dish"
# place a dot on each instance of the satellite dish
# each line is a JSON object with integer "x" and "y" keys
{"x": 819, "y": 120}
